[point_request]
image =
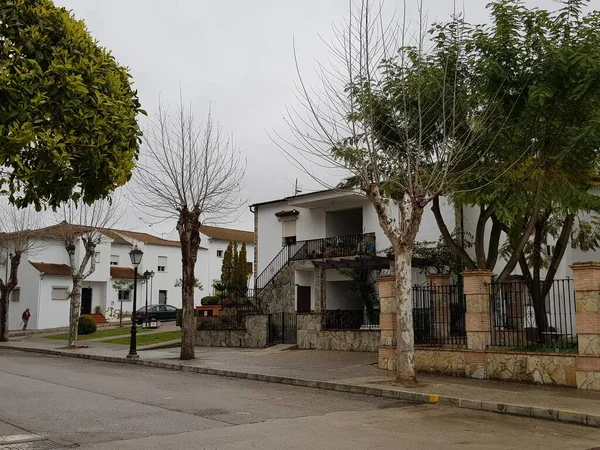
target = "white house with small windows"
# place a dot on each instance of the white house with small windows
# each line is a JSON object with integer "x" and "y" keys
{"x": 45, "y": 281}
{"x": 216, "y": 240}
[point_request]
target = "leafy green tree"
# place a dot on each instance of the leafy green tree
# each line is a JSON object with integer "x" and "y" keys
{"x": 235, "y": 261}
{"x": 394, "y": 116}
{"x": 242, "y": 270}
{"x": 68, "y": 126}
{"x": 544, "y": 69}
{"x": 227, "y": 266}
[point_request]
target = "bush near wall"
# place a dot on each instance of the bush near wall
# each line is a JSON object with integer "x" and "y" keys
{"x": 210, "y": 300}
{"x": 86, "y": 325}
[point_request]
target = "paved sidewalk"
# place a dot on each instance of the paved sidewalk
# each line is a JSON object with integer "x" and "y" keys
{"x": 350, "y": 372}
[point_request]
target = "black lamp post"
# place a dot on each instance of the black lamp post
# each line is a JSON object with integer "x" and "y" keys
{"x": 136, "y": 258}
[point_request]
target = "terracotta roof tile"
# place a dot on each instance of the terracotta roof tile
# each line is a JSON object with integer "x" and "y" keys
{"x": 61, "y": 230}
{"x": 123, "y": 273}
{"x": 227, "y": 234}
{"x": 51, "y": 268}
{"x": 147, "y": 238}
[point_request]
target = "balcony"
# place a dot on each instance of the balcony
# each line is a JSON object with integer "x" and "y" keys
{"x": 336, "y": 247}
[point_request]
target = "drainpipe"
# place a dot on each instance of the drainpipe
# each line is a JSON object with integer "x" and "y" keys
{"x": 39, "y": 296}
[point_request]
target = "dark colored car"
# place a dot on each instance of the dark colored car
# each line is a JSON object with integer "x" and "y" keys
{"x": 163, "y": 313}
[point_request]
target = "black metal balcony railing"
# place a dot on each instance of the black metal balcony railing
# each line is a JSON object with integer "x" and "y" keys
{"x": 333, "y": 247}
{"x": 336, "y": 247}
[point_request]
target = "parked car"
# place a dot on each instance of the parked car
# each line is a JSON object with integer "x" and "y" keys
{"x": 163, "y": 313}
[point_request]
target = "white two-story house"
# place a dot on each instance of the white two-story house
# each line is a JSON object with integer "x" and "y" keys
{"x": 216, "y": 240}
{"x": 45, "y": 281}
{"x": 307, "y": 243}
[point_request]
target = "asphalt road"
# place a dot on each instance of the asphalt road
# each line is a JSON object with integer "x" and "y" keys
{"x": 73, "y": 402}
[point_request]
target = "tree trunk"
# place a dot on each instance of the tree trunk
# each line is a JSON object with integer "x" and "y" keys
{"x": 405, "y": 341}
{"x": 188, "y": 227}
{"x": 6, "y": 287}
{"x": 74, "y": 312}
{"x": 4, "y": 301}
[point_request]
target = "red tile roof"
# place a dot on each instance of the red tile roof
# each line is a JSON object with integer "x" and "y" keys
{"x": 123, "y": 273}
{"x": 228, "y": 234}
{"x": 52, "y": 269}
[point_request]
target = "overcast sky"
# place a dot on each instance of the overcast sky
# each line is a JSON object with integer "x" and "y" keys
{"x": 237, "y": 56}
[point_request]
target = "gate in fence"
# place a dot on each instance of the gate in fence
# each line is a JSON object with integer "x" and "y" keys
{"x": 282, "y": 328}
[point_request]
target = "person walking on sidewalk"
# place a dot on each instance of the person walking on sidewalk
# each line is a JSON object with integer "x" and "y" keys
{"x": 25, "y": 318}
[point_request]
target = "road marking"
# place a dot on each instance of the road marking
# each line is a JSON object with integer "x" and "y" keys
{"x": 19, "y": 438}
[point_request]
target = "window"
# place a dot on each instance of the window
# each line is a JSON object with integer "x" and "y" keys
{"x": 124, "y": 296}
{"x": 249, "y": 267}
{"x": 60, "y": 293}
{"x": 97, "y": 257}
{"x": 15, "y": 296}
{"x": 219, "y": 253}
{"x": 550, "y": 250}
{"x": 162, "y": 264}
{"x": 114, "y": 260}
{"x": 171, "y": 309}
{"x": 288, "y": 231}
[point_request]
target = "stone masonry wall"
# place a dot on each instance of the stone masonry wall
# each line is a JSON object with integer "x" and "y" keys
{"x": 254, "y": 335}
{"x": 538, "y": 368}
{"x": 280, "y": 294}
{"x": 312, "y": 336}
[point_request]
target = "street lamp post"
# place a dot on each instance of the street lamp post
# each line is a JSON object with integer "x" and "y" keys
{"x": 136, "y": 258}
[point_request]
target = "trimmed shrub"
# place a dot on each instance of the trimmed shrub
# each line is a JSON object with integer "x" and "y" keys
{"x": 210, "y": 300}
{"x": 86, "y": 325}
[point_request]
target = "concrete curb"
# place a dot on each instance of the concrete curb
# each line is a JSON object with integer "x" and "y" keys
{"x": 557, "y": 415}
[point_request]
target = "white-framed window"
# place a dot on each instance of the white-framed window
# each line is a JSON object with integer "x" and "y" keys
{"x": 162, "y": 264}
{"x": 219, "y": 253}
{"x": 15, "y": 295}
{"x": 288, "y": 231}
{"x": 125, "y": 295}
{"x": 114, "y": 260}
{"x": 60, "y": 293}
{"x": 550, "y": 250}
{"x": 97, "y": 257}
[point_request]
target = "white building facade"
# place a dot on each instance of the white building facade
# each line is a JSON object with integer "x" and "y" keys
{"x": 216, "y": 240}
{"x": 44, "y": 280}
{"x": 335, "y": 218}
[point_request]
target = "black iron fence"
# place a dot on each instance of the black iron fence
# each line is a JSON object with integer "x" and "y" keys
{"x": 527, "y": 320}
{"x": 340, "y": 319}
{"x": 282, "y": 327}
{"x": 439, "y": 315}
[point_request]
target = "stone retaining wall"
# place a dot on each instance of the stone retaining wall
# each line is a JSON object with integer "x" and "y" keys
{"x": 540, "y": 368}
{"x": 312, "y": 336}
{"x": 254, "y": 334}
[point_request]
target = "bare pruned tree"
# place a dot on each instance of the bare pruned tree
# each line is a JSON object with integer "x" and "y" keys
{"x": 391, "y": 114}
{"x": 191, "y": 172}
{"x": 83, "y": 225}
{"x": 17, "y": 232}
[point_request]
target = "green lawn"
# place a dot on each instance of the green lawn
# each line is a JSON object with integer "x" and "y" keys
{"x": 97, "y": 335}
{"x": 154, "y": 338}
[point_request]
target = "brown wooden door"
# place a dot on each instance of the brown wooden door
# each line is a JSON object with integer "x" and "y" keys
{"x": 303, "y": 296}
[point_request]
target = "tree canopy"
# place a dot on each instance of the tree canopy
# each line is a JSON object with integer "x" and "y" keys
{"x": 68, "y": 127}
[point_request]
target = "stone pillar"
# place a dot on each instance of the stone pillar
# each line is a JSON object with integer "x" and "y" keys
{"x": 587, "y": 294}
{"x": 477, "y": 317}
{"x": 387, "y": 322}
{"x": 515, "y": 307}
{"x": 439, "y": 283}
{"x": 320, "y": 289}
